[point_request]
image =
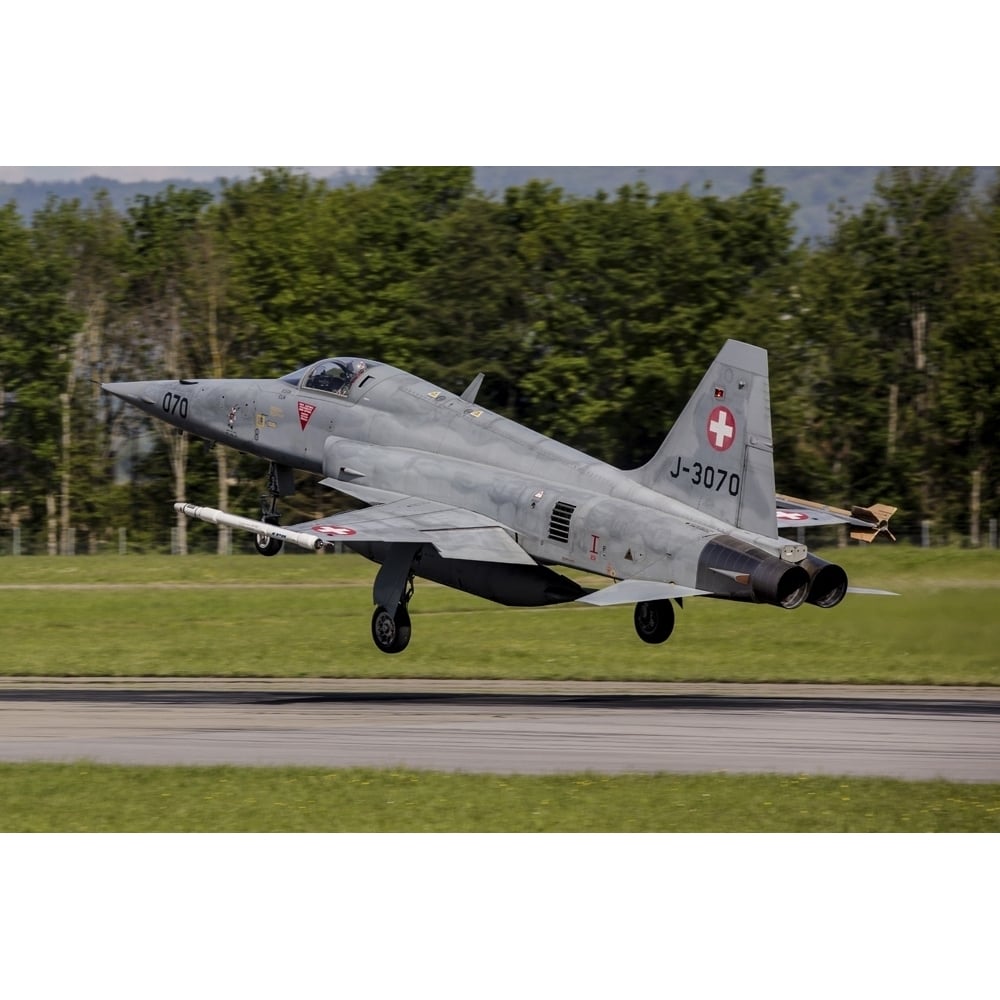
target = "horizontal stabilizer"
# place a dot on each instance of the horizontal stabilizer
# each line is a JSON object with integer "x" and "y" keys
{"x": 634, "y": 591}
{"x": 872, "y": 593}
{"x": 872, "y": 521}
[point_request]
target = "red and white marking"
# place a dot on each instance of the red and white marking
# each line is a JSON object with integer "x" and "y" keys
{"x": 792, "y": 515}
{"x": 306, "y": 410}
{"x": 721, "y": 428}
{"x": 334, "y": 529}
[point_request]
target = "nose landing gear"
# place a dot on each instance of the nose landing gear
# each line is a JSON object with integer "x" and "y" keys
{"x": 269, "y": 515}
{"x": 280, "y": 483}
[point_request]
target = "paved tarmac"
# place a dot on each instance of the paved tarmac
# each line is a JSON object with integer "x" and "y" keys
{"x": 507, "y": 727}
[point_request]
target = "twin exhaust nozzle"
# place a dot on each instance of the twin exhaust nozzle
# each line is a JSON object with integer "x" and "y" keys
{"x": 765, "y": 579}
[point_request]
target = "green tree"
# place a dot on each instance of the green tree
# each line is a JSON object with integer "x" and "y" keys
{"x": 639, "y": 297}
{"x": 968, "y": 362}
{"x": 593, "y": 317}
{"x": 434, "y": 192}
{"x": 91, "y": 242}
{"x": 273, "y": 228}
{"x": 468, "y": 311}
{"x": 166, "y": 236}
{"x": 900, "y": 249}
{"x": 36, "y": 328}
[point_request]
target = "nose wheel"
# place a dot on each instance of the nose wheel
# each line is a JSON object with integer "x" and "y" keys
{"x": 391, "y": 632}
{"x": 264, "y": 544}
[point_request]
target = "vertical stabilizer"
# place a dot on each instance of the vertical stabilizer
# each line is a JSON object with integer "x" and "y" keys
{"x": 718, "y": 457}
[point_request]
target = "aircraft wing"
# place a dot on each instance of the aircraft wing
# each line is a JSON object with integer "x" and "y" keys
{"x": 634, "y": 591}
{"x": 457, "y": 533}
{"x": 367, "y": 494}
{"x": 870, "y": 521}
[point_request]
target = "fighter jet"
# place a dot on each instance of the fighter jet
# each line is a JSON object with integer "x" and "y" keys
{"x": 462, "y": 496}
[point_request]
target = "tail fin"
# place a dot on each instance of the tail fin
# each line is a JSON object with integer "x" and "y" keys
{"x": 718, "y": 455}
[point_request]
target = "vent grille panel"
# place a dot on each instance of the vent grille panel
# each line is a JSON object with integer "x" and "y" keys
{"x": 562, "y": 514}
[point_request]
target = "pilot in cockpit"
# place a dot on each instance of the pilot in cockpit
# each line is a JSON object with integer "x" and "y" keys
{"x": 330, "y": 376}
{"x": 335, "y": 375}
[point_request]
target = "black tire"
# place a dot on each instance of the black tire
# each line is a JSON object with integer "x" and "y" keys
{"x": 391, "y": 635}
{"x": 654, "y": 620}
{"x": 264, "y": 545}
{"x": 267, "y": 546}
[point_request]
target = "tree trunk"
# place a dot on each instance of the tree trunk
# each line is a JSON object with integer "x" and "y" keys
{"x": 52, "y": 523}
{"x": 918, "y": 323}
{"x": 86, "y": 351}
{"x": 178, "y": 465}
{"x": 893, "y": 421}
{"x": 177, "y": 441}
{"x": 222, "y": 471}
{"x": 224, "y": 544}
{"x": 65, "y": 479}
{"x": 975, "y": 506}
{"x": 923, "y": 428}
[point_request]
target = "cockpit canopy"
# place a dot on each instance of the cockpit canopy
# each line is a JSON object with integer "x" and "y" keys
{"x": 336, "y": 375}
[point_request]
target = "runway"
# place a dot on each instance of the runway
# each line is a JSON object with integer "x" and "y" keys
{"x": 507, "y": 727}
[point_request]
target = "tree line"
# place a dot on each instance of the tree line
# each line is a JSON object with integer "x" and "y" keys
{"x": 592, "y": 317}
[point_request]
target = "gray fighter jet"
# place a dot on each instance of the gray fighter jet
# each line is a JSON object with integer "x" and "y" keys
{"x": 462, "y": 496}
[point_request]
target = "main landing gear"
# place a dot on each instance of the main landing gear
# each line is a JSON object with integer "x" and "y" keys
{"x": 654, "y": 620}
{"x": 392, "y": 593}
{"x": 391, "y": 632}
{"x": 280, "y": 483}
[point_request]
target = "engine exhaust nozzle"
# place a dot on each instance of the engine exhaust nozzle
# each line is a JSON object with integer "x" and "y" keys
{"x": 827, "y": 582}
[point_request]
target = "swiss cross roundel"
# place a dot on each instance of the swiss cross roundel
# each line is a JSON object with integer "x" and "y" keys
{"x": 792, "y": 515}
{"x": 334, "y": 529}
{"x": 721, "y": 428}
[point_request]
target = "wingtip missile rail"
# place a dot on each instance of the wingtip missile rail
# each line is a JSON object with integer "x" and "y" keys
{"x": 215, "y": 516}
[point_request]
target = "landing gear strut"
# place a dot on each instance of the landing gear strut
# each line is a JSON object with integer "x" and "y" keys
{"x": 280, "y": 483}
{"x": 393, "y": 590}
{"x": 654, "y": 620}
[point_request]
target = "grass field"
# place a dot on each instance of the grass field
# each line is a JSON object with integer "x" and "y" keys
{"x": 83, "y": 797}
{"x": 305, "y": 615}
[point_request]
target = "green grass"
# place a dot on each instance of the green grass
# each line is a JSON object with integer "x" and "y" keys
{"x": 296, "y": 616}
{"x": 82, "y": 797}
{"x": 309, "y": 616}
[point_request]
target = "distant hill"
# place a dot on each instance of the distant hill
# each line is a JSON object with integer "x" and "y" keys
{"x": 31, "y": 195}
{"x": 813, "y": 189}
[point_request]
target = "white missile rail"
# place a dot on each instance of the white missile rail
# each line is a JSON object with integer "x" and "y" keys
{"x": 214, "y": 516}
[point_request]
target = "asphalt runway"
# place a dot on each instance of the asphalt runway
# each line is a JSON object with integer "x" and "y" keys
{"x": 507, "y": 727}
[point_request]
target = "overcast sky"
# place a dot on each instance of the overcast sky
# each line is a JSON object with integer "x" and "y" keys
{"x": 15, "y": 174}
{"x": 546, "y": 82}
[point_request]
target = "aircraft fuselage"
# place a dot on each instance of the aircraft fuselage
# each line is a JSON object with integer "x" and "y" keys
{"x": 396, "y": 433}
{"x": 461, "y": 495}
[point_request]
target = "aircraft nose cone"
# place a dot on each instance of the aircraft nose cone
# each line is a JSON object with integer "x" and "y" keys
{"x": 136, "y": 393}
